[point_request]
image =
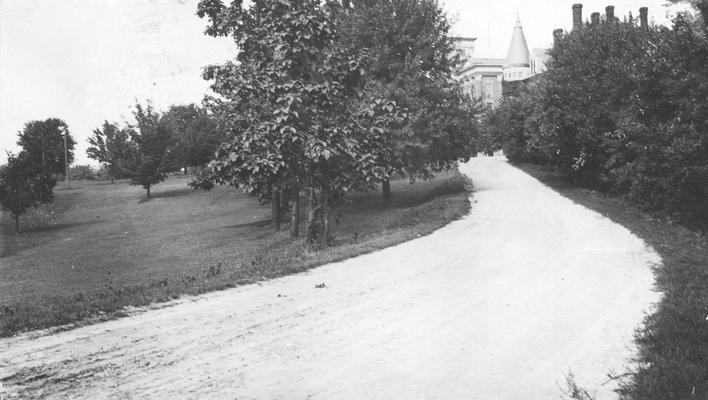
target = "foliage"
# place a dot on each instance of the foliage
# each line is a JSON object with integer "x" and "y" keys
{"x": 700, "y": 5}
{"x": 621, "y": 108}
{"x": 410, "y": 59}
{"x": 23, "y": 185}
{"x": 509, "y": 127}
{"x": 195, "y": 135}
{"x": 110, "y": 146}
{"x": 149, "y": 148}
{"x": 291, "y": 107}
{"x": 43, "y": 144}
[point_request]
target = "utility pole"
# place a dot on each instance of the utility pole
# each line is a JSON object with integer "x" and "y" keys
{"x": 66, "y": 158}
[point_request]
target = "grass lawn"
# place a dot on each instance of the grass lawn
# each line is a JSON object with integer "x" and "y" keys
{"x": 673, "y": 359}
{"x": 100, "y": 246}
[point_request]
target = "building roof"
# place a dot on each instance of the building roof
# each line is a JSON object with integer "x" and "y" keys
{"x": 518, "y": 54}
{"x": 463, "y": 39}
{"x": 481, "y": 63}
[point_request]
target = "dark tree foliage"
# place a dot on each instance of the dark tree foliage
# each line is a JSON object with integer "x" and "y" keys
{"x": 43, "y": 144}
{"x": 24, "y": 185}
{"x": 410, "y": 58}
{"x": 110, "y": 145}
{"x": 149, "y": 148}
{"x": 621, "y": 108}
{"x": 195, "y": 136}
{"x": 510, "y": 125}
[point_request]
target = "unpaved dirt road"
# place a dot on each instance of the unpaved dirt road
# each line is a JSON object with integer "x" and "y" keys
{"x": 499, "y": 305}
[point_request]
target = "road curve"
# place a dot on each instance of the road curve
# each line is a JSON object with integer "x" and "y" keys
{"x": 499, "y": 305}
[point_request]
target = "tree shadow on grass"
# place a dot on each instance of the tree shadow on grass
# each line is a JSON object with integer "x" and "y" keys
{"x": 261, "y": 223}
{"x": 166, "y": 194}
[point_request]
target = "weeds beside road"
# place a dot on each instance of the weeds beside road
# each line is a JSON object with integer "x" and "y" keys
{"x": 103, "y": 247}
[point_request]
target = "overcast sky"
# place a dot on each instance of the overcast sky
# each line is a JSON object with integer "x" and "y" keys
{"x": 88, "y": 61}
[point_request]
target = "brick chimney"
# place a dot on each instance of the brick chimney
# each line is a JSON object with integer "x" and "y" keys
{"x": 577, "y": 17}
{"x": 594, "y": 18}
{"x": 644, "y": 17}
{"x": 610, "y": 14}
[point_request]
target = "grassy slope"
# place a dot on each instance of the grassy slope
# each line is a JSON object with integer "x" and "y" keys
{"x": 100, "y": 247}
{"x": 674, "y": 341}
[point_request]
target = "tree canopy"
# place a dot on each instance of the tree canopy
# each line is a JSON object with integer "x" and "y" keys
{"x": 24, "y": 185}
{"x": 110, "y": 146}
{"x": 195, "y": 135}
{"x": 150, "y": 144}
{"x": 43, "y": 144}
{"x": 410, "y": 58}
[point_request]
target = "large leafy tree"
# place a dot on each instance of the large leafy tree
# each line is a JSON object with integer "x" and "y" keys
{"x": 292, "y": 109}
{"x": 43, "y": 144}
{"x": 110, "y": 145}
{"x": 23, "y": 185}
{"x": 150, "y": 143}
{"x": 410, "y": 58}
{"x": 195, "y": 135}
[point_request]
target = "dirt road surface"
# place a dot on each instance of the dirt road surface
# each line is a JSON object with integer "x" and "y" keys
{"x": 502, "y": 304}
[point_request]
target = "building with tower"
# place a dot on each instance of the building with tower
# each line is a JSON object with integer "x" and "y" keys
{"x": 483, "y": 77}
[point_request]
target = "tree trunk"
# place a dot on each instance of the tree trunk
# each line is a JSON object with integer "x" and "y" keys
{"x": 275, "y": 208}
{"x": 148, "y": 190}
{"x": 311, "y": 226}
{"x": 386, "y": 192}
{"x": 185, "y": 170}
{"x": 17, "y": 224}
{"x": 284, "y": 202}
{"x": 325, "y": 215}
{"x": 295, "y": 213}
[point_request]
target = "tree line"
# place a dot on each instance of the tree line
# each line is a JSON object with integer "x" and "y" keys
{"x": 144, "y": 151}
{"x": 329, "y": 97}
{"x": 622, "y": 109}
{"x": 155, "y": 144}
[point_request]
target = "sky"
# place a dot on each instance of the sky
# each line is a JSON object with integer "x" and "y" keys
{"x": 90, "y": 61}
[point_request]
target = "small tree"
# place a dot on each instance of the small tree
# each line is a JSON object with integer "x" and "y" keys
{"x": 149, "y": 149}
{"x": 43, "y": 144}
{"x": 110, "y": 146}
{"x": 24, "y": 185}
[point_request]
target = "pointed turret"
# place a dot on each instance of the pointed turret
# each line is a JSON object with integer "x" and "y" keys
{"x": 518, "y": 54}
{"x": 518, "y": 60}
